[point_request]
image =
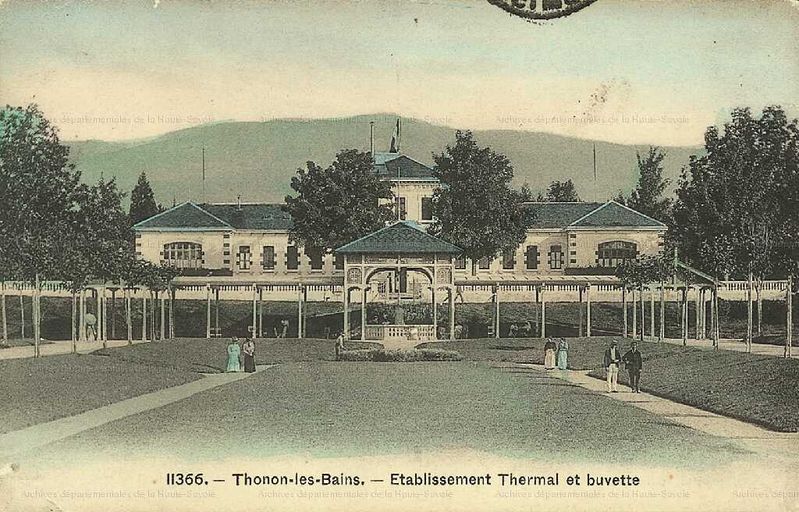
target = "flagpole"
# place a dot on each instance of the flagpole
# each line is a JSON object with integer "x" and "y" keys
{"x": 203, "y": 174}
{"x": 596, "y": 194}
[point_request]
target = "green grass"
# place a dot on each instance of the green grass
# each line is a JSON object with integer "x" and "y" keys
{"x": 757, "y": 389}
{"x": 332, "y": 409}
{"x": 48, "y": 388}
{"x": 210, "y": 356}
{"x": 584, "y": 353}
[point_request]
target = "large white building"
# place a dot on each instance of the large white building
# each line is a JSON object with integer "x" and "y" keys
{"x": 246, "y": 242}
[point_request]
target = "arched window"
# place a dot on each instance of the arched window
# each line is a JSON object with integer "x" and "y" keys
{"x": 612, "y": 254}
{"x": 183, "y": 255}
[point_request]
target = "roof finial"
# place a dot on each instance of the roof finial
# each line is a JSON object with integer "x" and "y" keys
{"x": 238, "y": 202}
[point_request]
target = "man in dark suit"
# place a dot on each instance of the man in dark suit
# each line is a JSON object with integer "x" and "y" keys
{"x": 612, "y": 363}
{"x": 632, "y": 359}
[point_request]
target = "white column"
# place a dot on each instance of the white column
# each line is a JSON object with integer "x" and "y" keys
{"x": 208, "y": 311}
{"x": 543, "y": 313}
{"x": 254, "y": 310}
{"x": 452, "y": 312}
{"x": 363, "y": 312}
{"x": 588, "y": 310}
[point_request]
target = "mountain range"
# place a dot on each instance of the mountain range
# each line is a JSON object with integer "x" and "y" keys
{"x": 256, "y": 160}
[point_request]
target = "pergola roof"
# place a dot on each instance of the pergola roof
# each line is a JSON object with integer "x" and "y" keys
{"x": 399, "y": 238}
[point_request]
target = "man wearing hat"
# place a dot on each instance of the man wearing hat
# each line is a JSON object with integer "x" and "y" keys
{"x": 612, "y": 363}
{"x": 632, "y": 359}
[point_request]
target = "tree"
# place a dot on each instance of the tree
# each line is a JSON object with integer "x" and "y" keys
{"x": 647, "y": 197}
{"x": 475, "y": 207}
{"x": 39, "y": 191}
{"x": 105, "y": 230}
{"x": 338, "y": 204}
{"x": 142, "y": 201}
{"x": 737, "y": 207}
{"x": 562, "y": 191}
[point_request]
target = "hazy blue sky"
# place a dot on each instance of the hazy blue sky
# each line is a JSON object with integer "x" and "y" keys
{"x": 646, "y": 71}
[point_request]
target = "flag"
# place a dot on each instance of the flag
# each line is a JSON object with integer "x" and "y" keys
{"x": 395, "y": 139}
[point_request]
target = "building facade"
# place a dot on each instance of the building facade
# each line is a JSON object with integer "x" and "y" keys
{"x": 245, "y": 242}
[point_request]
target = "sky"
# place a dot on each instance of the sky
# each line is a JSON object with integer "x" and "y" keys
{"x": 625, "y": 71}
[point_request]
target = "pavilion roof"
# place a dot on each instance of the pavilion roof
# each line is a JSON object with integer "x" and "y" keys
{"x": 399, "y": 238}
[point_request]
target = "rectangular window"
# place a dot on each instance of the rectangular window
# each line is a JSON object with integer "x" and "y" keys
{"x": 292, "y": 258}
{"x": 508, "y": 260}
{"x": 268, "y": 257}
{"x": 555, "y": 257}
{"x": 531, "y": 257}
{"x": 402, "y": 209}
{"x": 460, "y": 262}
{"x": 316, "y": 257}
{"x": 244, "y": 257}
{"x": 427, "y": 208}
{"x": 338, "y": 261}
{"x": 484, "y": 263}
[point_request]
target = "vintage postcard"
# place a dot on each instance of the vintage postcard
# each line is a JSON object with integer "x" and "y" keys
{"x": 390, "y": 255}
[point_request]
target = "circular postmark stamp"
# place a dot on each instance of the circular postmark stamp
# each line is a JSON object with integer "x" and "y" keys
{"x": 541, "y": 9}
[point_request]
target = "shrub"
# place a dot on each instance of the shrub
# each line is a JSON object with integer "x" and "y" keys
{"x": 400, "y": 356}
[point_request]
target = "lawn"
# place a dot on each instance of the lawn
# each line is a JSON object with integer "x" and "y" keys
{"x": 210, "y": 356}
{"x": 757, "y": 389}
{"x": 52, "y": 387}
{"x": 332, "y": 409}
{"x": 584, "y": 353}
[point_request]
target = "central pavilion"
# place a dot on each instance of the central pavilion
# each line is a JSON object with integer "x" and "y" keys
{"x": 397, "y": 249}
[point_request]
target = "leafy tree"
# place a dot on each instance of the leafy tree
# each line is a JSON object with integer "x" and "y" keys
{"x": 645, "y": 270}
{"x": 737, "y": 207}
{"x": 475, "y": 208}
{"x": 647, "y": 197}
{"x": 562, "y": 191}
{"x": 338, "y": 204}
{"x": 142, "y": 201}
{"x": 103, "y": 231}
{"x": 39, "y": 190}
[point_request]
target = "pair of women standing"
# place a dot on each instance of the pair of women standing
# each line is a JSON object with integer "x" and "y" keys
{"x": 234, "y": 352}
{"x": 550, "y": 356}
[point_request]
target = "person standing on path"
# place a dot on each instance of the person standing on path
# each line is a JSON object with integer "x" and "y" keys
{"x": 633, "y": 362}
{"x": 233, "y": 353}
{"x": 549, "y": 354}
{"x": 339, "y": 346}
{"x": 612, "y": 362}
{"x": 248, "y": 349}
{"x": 563, "y": 354}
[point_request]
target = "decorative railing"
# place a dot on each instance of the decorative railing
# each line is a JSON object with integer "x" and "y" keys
{"x": 424, "y": 332}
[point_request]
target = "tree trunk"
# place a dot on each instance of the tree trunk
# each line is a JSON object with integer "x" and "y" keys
{"x": 749, "y": 314}
{"x": 3, "y": 311}
{"x": 37, "y": 331}
{"x": 789, "y": 317}
{"x": 113, "y": 313}
{"x": 74, "y": 321}
{"x": 758, "y": 289}
{"x": 662, "y": 332}
{"x": 21, "y": 316}
{"x": 172, "y": 293}
{"x": 128, "y": 322}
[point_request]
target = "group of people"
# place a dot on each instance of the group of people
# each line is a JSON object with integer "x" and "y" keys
{"x": 238, "y": 353}
{"x": 556, "y": 354}
{"x": 631, "y": 359}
